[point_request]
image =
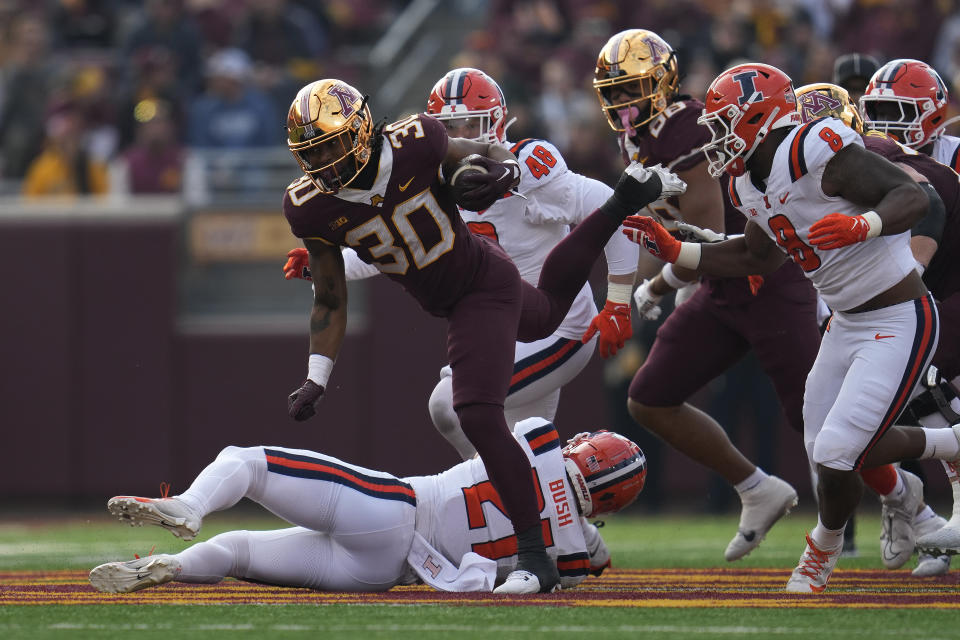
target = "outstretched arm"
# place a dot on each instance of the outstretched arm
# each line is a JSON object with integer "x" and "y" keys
{"x": 750, "y": 254}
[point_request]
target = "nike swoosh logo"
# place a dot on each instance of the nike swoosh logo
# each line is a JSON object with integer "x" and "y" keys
{"x": 506, "y": 172}
{"x": 880, "y": 337}
{"x": 783, "y": 198}
{"x": 817, "y": 589}
{"x": 748, "y": 535}
{"x": 141, "y": 577}
{"x": 403, "y": 187}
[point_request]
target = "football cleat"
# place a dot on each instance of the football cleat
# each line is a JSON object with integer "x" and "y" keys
{"x": 522, "y": 582}
{"x": 931, "y": 565}
{"x": 943, "y": 541}
{"x": 813, "y": 572}
{"x": 133, "y": 575}
{"x": 897, "y": 538}
{"x": 763, "y": 505}
{"x": 169, "y": 513}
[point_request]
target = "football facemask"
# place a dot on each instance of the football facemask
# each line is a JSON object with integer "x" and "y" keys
{"x": 635, "y": 78}
{"x": 607, "y": 471}
{"x": 471, "y": 105}
{"x": 907, "y": 100}
{"x": 329, "y": 132}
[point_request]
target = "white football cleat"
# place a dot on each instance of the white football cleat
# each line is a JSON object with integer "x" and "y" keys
{"x": 943, "y": 541}
{"x": 813, "y": 572}
{"x": 521, "y": 582}
{"x": 897, "y": 537}
{"x": 763, "y": 505}
{"x": 928, "y": 564}
{"x": 169, "y": 513}
{"x": 133, "y": 575}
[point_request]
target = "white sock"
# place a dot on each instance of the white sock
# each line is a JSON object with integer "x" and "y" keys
{"x": 827, "y": 539}
{"x": 897, "y": 494}
{"x": 751, "y": 481}
{"x": 924, "y": 514}
{"x": 941, "y": 444}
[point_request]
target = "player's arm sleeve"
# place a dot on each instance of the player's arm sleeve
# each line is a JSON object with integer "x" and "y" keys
{"x": 621, "y": 254}
{"x": 355, "y": 268}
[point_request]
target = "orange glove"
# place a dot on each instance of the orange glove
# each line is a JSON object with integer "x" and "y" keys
{"x": 613, "y": 324}
{"x": 836, "y": 230}
{"x": 298, "y": 264}
{"x": 755, "y": 283}
{"x": 650, "y": 234}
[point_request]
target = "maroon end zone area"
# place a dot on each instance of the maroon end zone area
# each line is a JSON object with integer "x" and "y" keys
{"x": 762, "y": 588}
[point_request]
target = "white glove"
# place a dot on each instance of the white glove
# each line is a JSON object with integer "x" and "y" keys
{"x": 698, "y": 234}
{"x": 648, "y": 303}
{"x": 672, "y": 185}
{"x": 685, "y": 293}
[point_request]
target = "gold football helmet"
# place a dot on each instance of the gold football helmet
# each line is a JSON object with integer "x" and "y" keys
{"x": 329, "y": 132}
{"x": 635, "y": 78}
{"x": 824, "y": 99}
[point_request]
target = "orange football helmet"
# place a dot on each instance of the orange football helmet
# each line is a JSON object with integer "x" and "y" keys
{"x": 635, "y": 78}
{"x": 824, "y": 99}
{"x": 606, "y": 469}
{"x": 329, "y": 132}
{"x": 469, "y": 96}
{"x": 907, "y": 100}
{"x": 742, "y": 106}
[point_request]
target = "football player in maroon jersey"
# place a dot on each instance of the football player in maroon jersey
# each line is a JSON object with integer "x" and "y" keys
{"x": 637, "y": 81}
{"x": 385, "y": 193}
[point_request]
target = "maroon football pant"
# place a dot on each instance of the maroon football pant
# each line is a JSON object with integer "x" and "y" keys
{"x": 483, "y": 327}
{"x": 701, "y": 339}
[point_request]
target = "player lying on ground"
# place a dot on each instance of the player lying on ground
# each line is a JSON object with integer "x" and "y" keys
{"x": 364, "y": 530}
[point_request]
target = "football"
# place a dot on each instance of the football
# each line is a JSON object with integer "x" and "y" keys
{"x": 463, "y": 169}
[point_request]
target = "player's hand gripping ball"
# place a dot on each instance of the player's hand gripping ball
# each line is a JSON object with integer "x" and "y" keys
{"x": 478, "y": 182}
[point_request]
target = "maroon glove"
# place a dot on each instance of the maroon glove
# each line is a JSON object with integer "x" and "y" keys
{"x": 302, "y": 403}
{"x": 476, "y": 190}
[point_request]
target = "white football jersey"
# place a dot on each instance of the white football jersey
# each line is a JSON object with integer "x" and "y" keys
{"x": 845, "y": 277}
{"x": 946, "y": 150}
{"x": 459, "y": 510}
{"x": 528, "y": 229}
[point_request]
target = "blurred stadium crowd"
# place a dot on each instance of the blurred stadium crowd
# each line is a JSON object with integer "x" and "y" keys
{"x": 111, "y": 96}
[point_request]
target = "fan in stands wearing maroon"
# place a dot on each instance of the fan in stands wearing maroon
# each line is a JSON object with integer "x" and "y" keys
{"x": 382, "y": 192}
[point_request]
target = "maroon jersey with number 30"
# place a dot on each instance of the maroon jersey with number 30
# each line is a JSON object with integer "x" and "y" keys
{"x": 407, "y": 224}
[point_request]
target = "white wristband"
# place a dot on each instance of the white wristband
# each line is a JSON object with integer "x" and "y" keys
{"x": 689, "y": 256}
{"x": 671, "y": 278}
{"x": 619, "y": 293}
{"x": 319, "y": 368}
{"x": 874, "y": 223}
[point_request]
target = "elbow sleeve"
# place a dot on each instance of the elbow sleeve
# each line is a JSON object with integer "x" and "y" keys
{"x": 931, "y": 225}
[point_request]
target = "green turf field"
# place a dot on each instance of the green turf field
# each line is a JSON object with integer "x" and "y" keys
{"x": 637, "y": 542}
